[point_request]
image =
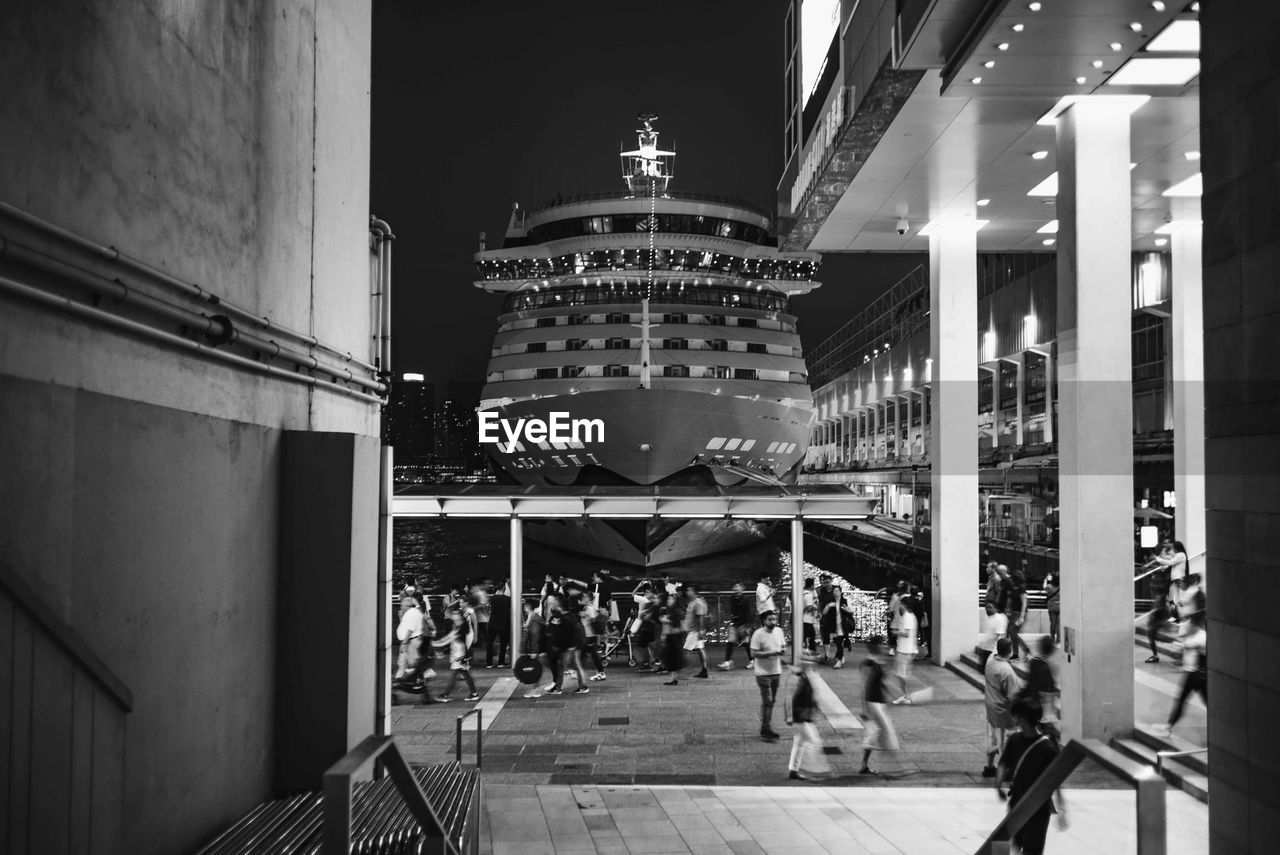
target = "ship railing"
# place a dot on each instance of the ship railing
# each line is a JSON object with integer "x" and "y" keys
{"x": 730, "y": 201}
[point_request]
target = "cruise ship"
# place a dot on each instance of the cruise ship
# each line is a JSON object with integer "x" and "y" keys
{"x": 666, "y": 318}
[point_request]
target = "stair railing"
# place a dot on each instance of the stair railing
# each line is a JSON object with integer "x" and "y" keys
{"x": 338, "y": 791}
{"x": 1162, "y": 756}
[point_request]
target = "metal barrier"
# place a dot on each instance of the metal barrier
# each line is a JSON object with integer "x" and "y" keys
{"x": 457, "y": 746}
{"x": 1161, "y": 756}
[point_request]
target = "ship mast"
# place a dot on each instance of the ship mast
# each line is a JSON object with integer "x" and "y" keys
{"x": 647, "y": 170}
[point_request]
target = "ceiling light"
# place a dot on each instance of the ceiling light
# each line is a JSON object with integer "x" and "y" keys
{"x": 1192, "y": 186}
{"x": 1048, "y": 241}
{"x": 1191, "y": 155}
{"x": 1147, "y": 71}
{"x": 1017, "y": 28}
{"x": 1161, "y": 241}
{"x": 982, "y": 203}
{"x": 1051, "y": 117}
{"x": 1080, "y": 81}
{"x": 1097, "y": 63}
{"x": 1049, "y": 228}
{"x": 1002, "y": 46}
{"x": 991, "y": 63}
{"x": 1157, "y": 5}
{"x": 1171, "y": 227}
{"x": 1034, "y": 7}
{"x": 1039, "y": 155}
{"x": 949, "y": 223}
{"x": 1181, "y": 35}
{"x": 1136, "y": 27}
{"x": 975, "y": 81}
{"x": 1116, "y": 46}
{"x": 1047, "y": 187}
{"x": 1195, "y": 7}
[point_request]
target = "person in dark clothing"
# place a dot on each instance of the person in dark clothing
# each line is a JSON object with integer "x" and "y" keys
{"x": 742, "y": 624}
{"x": 1015, "y": 607}
{"x": 808, "y": 760}
{"x": 499, "y": 628}
{"x": 1027, "y": 754}
{"x": 1159, "y": 614}
{"x": 1042, "y": 687}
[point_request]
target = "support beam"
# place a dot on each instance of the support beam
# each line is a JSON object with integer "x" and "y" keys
{"x": 1021, "y": 384}
{"x": 1095, "y": 444}
{"x": 516, "y": 572}
{"x": 1188, "y": 393}
{"x": 953, "y": 477}
{"x": 797, "y": 590}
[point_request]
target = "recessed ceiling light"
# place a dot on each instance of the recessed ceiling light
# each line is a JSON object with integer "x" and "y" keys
{"x": 1080, "y": 81}
{"x": 1017, "y": 28}
{"x": 1157, "y": 5}
{"x": 1135, "y": 26}
{"x": 1188, "y": 187}
{"x": 975, "y": 81}
{"x": 1050, "y": 118}
{"x": 1039, "y": 155}
{"x": 1195, "y": 7}
{"x": 1149, "y": 71}
{"x": 982, "y": 203}
{"x": 933, "y": 225}
{"x": 1191, "y": 155}
{"x": 1049, "y": 228}
{"x": 1047, "y": 187}
{"x": 1034, "y": 7}
{"x": 1182, "y": 36}
{"x": 991, "y": 63}
{"x": 1047, "y": 241}
{"x": 1116, "y": 46}
{"x": 1097, "y": 63}
{"x": 1161, "y": 241}
{"x": 1175, "y": 225}
{"x": 1002, "y": 46}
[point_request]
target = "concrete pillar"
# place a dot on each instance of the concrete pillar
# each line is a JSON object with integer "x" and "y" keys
{"x": 953, "y": 477}
{"x": 1188, "y": 393}
{"x": 1022, "y": 389}
{"x": 797, "y": 590}
{"x": 997, "y": 418}
{"x": 326, "y": 688}
{"x": 516, "y": 583}
{"x": 1049, "y": 365}
{"x": 897, "y": 426}
{"x": 1095, "y": 446}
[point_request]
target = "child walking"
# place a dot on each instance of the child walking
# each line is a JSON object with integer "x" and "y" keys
{"x": 458, "y": 639}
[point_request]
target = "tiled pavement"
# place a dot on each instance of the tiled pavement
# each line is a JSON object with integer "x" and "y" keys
{"x": 631, "y": 729}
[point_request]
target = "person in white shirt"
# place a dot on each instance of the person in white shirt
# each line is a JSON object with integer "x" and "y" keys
{"x": 764, "y": 597}
{"x": 907, "y": 646}
{"x": 409, "y": 634}
{"x": 809, "y": 619}
{"x": 1194, "y": 669}
{"x": 997, "y": 628}
{"x": 767, "y": 644}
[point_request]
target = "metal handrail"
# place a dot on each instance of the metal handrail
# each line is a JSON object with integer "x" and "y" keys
{"x": 457, "y": 747}
{"x": 338, "y": 780}
{"x": 1161, "y": 756}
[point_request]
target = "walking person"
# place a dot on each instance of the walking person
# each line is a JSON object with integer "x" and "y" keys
{"x": 483, "y": 610}
{"x": 740, "y": 628}
{"x": 808, "y": 760}
{"x": 767, "y": 644}
{"x": 764, "y": 597}
{"x": 593, "y": 628}
{"x": 558, "y": 638}
{"x": 499, "y": 627}
{"x": 893, "y": 616}
{"x": 1026, "y": 755}
{"x": 1015, "y": 608}
{"x": 907, "y": 646}
{"x": 458, "y": 640}
{"x": 1042, "y": 686}
{"x": 833, "y": 629}
{"x": 880, "y": 734}
{"x": 694, "y": 628}
{"x": 409, "y": 633}
{"x": 809, "y": 601}
{"x": 1053, "y": 604}
{"x": 1002, "y": 685}
{"x": 574, "y": 637}
{"x": 1195, "y": 670}
{"x": 534, "y": 638}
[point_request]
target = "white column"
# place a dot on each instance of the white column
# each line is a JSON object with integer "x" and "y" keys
{"x": 953, "y": 437}
{"x": 1049, "y": 360}
{"x": 1022, "y": 389}
{"x": 516, "y": 584}
{"x": 1188, "y": 394}
{"x": 1095, "y": 443}
{"x": 797, "y": 590}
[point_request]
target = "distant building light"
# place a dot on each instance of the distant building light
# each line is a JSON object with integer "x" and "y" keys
{"x": 1097, "y": 63}
{"x": 1034, "y": 7}
{"x": 1162, "y": 241}
{"x": 1080, "y": 81}
{"x": 991, "y": 63}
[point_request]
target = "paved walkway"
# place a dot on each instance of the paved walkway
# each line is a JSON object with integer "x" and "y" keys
{"x": 622, "y": 820}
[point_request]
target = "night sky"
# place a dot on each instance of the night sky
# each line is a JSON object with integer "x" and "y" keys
{"x": 480, "y": 104}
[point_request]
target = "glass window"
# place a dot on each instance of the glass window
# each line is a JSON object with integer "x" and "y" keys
{"x": 617, "y": 344}
{"x": 546, "y": 373}
{"x": 677, "y": 344}
{"x": 536, "y": 347}
{"x": 676, "y": 371}
{"x": 616, "y": 371}
{"x": 755, "y": 347}
{"x": 547, "y": 322}
{"x": 744, "y": 374}
{"x": 571, "y": 371}
{"x": 746, "y": 322}
{"x": 574, "y": 344}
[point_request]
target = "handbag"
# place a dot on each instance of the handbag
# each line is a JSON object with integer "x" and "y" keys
{"x": 527, "y": 669}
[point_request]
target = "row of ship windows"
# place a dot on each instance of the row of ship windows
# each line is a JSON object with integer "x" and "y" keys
{"x": 666, "y": 318}
{"x": 689, "y": 224}
{"x": 737, "y": 443}
{"x": 634, "y": 292}
{"x": 718, "y": 372}
{"x": 591, "y": 263}
{"x": 659, "y": 344}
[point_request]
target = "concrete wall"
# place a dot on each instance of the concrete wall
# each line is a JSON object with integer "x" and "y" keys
{"x": 226, "y": 142}
{"x": 1241, "y": 161}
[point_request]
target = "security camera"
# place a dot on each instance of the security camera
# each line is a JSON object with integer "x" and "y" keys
{"x": 903, "y": 226}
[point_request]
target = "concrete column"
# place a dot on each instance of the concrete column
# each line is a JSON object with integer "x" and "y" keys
{"x": 997, "y": 418}
{"x": 897, "y": 426}
{"x": 1188, "y": 393}
{"x": 1049, "y": 360}
{"x": 953, "y": 437}
{"x": 1095, "y": 447}
{"x": 1022, "y": 388}
{"x": 797, "y": 590}
{"x": 516, "y": 573}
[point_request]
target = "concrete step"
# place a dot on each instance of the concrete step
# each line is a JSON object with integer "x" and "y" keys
{"x": 1166, "y": 641}
{"x": 1177, "y": 772}
{"x": 966, "y": 672}
{"x": 1117, "y": 762}
{"x": 1148, "y": 737}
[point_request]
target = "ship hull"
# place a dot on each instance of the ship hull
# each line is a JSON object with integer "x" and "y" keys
{"x": 657, "y": 437}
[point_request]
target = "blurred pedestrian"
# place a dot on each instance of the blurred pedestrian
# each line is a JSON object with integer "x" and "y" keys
{"x": 1027, "y": 754}
{"x": 879, "y": 733}
{"x": 740, "y": 626}
{"x": 1015, "y": 608}
{"x": 534, "y": 639}
{"x": 1053, "y": 604}
{"x": 458, "y": 640}
{"x": 1002, "y": 685}
{"x": 808, "y": 759}
{"x": 1195, "y": 670}
{"x": 764, "y": 597}
{"x": 907, "y": 648}
{"x": 695, "y": 627}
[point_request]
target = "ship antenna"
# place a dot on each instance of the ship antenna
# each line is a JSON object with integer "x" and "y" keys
{"x": 647, "y": 169}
